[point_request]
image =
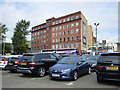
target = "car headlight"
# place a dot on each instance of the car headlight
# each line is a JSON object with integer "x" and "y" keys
{"x": 67, "y": 70}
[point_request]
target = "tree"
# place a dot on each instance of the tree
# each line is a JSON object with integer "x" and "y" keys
{"x": 19, "y": 38}
{"x": 3, "y": 30}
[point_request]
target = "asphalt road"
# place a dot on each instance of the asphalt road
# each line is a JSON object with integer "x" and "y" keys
{"x": 17, "y": 80}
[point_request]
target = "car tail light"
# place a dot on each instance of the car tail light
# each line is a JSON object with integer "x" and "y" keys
{"x": 99, "y": 67}
{"x": 4, "y": 59}
{"x": 32, "y": 63}
{"x": 17, "y": 62}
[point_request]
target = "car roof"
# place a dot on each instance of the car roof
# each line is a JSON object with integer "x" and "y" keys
{"x": 111, "y": 53}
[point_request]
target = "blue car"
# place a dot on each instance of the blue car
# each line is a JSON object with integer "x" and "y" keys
{"x": 70, "y": 68}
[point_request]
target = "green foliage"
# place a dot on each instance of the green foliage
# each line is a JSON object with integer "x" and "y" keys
{"x": 7, "y": 48}
{"x": 19, "y": 38}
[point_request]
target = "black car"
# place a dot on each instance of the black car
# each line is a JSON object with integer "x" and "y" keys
{"x": 13, "y": 64}
{"x": 108, "y": 67}
{"x": 36, "y": 63}
{"x": 93, "y": 61}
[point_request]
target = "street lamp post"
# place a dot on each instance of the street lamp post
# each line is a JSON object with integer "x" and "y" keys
{"x": 96, "y": 24}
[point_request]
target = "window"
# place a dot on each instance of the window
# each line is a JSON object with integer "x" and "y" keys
{"x": 60, "y": 28}
{"x": 41, "y": 32}
{"x": 41, "y": 47}
{"x": 33, "y": 29}
{"x": 32, "y": 43}
{"x": 72, "y": 45}
{"x": 64, "y": 27}
{"x": 35, "y": 48}
{"x": 77, "y": 24}
{"x": 68, "y": 39}
{"x": 72, "y": 25}
{"x": 60, "y": 40}
{"x": 40, "y": 42}
{"x": 41, "y": 26}
{"x": 47, "y": 33}
{"x": 44, "y": 47}
{"x": 47, "y": 45}
{"x": 68, "y": 19}
{"x": 56, "y": 22}
{"x": 53, "y": 40}
{"x": 64, "y": 20}
{"x": 60, "y": 46}
{"x": 72, "y": 18}
{"x": 68, "y": 26}
{"x": 35, "y": 34}
{"x": 37, "y": 42}
{"x": 60, "y": 21}
{"x": 53, "y": 46}
{"x": 60, "y": 33}
{"x": 72, "y": 38}
{"x": 56, "y": 40}
{"x": 53, "y": 34}
{"x": 40, "y": 37}
{"x": 38, "y": 33}
{"x": 44, "y": 41}
{"x": 32, "y": 35}
{"x": 32, "y": 39}
{"x": 53, "y": 29}
{"x": 68, "y": 45}
{"x": 53, "y": 23}
{"x": 56, "y": 46}
{"x": 77, "y": 44}
{"x": 47, "y": 39}
{"x": 72, "y": 32}
{"x": 68, "y": 32}
{"x": 63, "y": 45}
{"x": 77, "y": 30}
{"x": 56, "y": 28}
{"x": 64, "y": 39}
{"x": 77, "y": 17}
{"x": 44, "y": 31}
{"x": 44, "y": 26}
{"x": 38, "y": 27}
{"x": 64, "y": 33}
{"x": 77, "y": 38}
{"x": 56, "y": 34}
{"x": 37, "y": 38}
{"x": 48, "y": 28}
{"x": 44, "y": 36}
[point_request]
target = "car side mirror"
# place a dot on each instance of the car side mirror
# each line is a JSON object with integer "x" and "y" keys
{"x": 79, "y": 63}
{"x": 83, "y": 61}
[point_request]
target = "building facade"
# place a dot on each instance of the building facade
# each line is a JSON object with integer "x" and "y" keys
{"x": 69, "y": 31}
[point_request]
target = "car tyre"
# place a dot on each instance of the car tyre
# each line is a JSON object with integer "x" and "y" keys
{"x": 89, "y": 70}
{"x": 75, "y": 75}
{"x": 99, "y": 79}
{"x": 41, "y": 72}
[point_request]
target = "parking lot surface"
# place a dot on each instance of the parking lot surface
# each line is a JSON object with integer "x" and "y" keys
{"x": 17, "y": 80}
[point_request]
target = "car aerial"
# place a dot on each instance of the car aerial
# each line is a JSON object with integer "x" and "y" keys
{"x": 13, "y": 64}
{"x": 93, "y": 61}
{"x": 69, "y": 68}
{"x": 108, "y": 67}
{"x": 36, "y": 63}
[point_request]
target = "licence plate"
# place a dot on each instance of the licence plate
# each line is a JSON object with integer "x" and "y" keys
{"x": 55, "y": 75}
{"x": 112, "y": 68}
{"x": 23, "y": 63}
{"x": 10, "y": 63}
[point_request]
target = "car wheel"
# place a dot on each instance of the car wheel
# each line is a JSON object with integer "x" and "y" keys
{"x": 99, "y": 79}
{"x": 89, "y": 70}
{"x": 12, "y": 71}
{"x": 41, "y": 72}
{"x": 75, "y": 75}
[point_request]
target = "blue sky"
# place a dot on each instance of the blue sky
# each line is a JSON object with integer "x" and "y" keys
{"x": 106, "y": 13}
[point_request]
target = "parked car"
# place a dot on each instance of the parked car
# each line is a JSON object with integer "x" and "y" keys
{"x": 13, "y": 63}
{"x": 108, "y": 67}
{"x": 36, "y": 63}
{"x": 69, "y": 68}
{"x": 93, "y": 61}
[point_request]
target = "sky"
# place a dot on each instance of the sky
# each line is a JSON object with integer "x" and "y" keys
{"x": 104, "y": 13}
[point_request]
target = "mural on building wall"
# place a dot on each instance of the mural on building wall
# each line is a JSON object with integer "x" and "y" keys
{"x": 84, "y": 32}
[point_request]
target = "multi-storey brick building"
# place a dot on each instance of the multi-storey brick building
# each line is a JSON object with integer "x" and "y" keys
{"x": 69, "y": 31}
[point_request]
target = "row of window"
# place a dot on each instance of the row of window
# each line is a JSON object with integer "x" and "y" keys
{"x": 37, "y": 38}
{"x": 64, "y": 20}
{"x": 64, "y": 45}
{"x": 64, "y": 33}
{"x": 40, "y": 27}
{"x": 37, "y": 43}
{"x": 64, "y": 27}
{"x": 38, "y": 33}
{"x": 64, "y": 39}
{"x": 39, "y": 47}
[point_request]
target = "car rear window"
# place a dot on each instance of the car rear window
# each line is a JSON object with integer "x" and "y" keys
{"x": 110, "y": 58}
{"x": 27, "y": 57}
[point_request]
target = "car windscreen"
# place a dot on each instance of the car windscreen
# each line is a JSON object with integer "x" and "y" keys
{"x": 109, "y": 58}
{"x": 68, "y": 60}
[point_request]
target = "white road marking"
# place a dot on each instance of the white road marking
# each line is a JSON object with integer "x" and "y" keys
{"x": 71, "y": 83}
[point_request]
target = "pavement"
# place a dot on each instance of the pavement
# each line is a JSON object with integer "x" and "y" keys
{"x": 17, "y": 80}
